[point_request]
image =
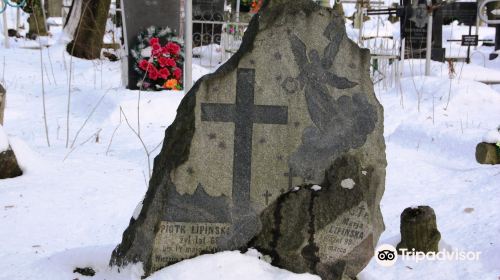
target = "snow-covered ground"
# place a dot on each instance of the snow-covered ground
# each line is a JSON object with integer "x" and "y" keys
{"x": 70, "y": 207}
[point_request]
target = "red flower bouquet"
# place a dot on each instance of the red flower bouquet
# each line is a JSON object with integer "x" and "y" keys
{"x": 160, "y": 59}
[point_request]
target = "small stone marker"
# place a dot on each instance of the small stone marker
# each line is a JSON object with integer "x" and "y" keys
{"x": 419, "y": 230}
{"x": 294, "y": 106}
{"x": 9, "y": 168}
{"x": 487, "y": 153}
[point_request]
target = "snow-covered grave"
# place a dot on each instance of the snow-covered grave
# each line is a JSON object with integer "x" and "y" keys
{"x": 71, "y": 205}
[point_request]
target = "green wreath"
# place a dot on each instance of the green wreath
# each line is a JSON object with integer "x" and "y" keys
{"x": 159, "y": 59}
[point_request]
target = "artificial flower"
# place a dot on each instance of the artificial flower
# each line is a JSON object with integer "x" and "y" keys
{"x": 153, "y": 73}
{"x": 154, "y": 41}
{"x": 177, "y": 73}
{"x": 143, "y": 64}
{"x": 164, "y": 73}
{"x": 173, "y": 48}
{"x": 171, "y": 84}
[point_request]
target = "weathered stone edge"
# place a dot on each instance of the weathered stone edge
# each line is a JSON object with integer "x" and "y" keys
{"x": 174, "y": 152}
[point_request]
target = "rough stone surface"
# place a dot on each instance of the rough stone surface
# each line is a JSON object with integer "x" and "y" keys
{"x": 293, "y": 107}
{"x": 8, "y": 165}
{"x": 487, "y": 153}
{"x": 419, "y": 230}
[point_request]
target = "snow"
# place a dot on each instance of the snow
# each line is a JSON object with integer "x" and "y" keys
{"x": 492, "y": 136}
{"x": 227, "y": 265}
{"x": 137, "y": 210}
{"x": 316, "y": 188}
{"x": 347, "y": 184}
{"x": 4, "y": 141}
{"x": 71, "y": 206}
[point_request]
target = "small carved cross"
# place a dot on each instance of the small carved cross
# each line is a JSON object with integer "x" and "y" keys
{"x": 267, "y": 195}
{"x": 290, "y": 174}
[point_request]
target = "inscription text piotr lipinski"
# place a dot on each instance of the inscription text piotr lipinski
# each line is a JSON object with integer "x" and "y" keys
{"x": 176, "y": 241}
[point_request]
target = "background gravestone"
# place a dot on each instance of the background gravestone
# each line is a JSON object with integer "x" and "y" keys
{"x": 490, "y": 8}
{"x": 414, "y": 30}
{"x": 141, "y": 14}
{"x": 206, "y": 8}
{"x": 464, "y": 12}
{"x": 294, "y": 106}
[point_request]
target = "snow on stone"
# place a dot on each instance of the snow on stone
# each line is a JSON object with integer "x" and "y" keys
{"x": 137, "y": 210}
{"x": 296, "y": 189}
{"x": 347, "y": 183}
{"x": 492, "y": 136}
{"x": 4, "y": 141}
{"x": 316, "y": 188}
{"x": 227, "y": 265}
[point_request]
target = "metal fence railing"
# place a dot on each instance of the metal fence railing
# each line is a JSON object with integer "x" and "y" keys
{"x": 215, "y": 41}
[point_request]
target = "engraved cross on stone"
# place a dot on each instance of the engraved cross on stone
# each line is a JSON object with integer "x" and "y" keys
{"x": 267, "y": 195}
{"x": 290, "y": 175}
{"x": 244, "y": 114}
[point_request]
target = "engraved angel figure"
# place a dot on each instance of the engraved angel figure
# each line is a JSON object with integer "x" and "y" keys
{"x": 339, "y": 123}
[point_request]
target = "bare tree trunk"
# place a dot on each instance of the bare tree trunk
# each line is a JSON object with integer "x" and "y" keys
{"x": 36, "y": 19}
{"x": 53, "y": 8}
{"x": 87, "y": 41}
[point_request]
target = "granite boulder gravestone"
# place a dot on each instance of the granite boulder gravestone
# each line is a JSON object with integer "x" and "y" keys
{"x": 280, "y": 149}
{"x": 141, "y": 14}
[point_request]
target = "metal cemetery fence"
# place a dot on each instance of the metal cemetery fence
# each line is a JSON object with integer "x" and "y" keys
{"x": 215, "y": 41}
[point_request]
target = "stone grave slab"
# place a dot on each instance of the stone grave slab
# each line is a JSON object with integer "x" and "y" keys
{"x": 287, "y": 136}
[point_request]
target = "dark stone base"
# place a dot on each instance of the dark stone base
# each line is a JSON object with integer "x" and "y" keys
{"x": 419, "y": 230}
{"x": 487, "y": 153}
{"x": 9, "y": 167}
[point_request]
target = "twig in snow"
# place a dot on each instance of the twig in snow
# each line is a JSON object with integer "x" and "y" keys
{"x": 3, "y": 71}
{"x": 88, "y": 117}
{"x": 451, "y": 75}
{"x": 95, "y": 135}
{"x": 43, "y": 82}
{"x": 51, "y": 67}
{"x": 70, "y": 75}
{"x": 112, "y": 137}
{"x": 148, "y": 154}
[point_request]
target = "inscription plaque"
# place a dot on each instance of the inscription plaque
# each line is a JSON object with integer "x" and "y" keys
{"x": 176, "y": 241}
{"x": 345, "y": 233}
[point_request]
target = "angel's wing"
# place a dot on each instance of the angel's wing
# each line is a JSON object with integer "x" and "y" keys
{"x": 331, "y": 50}
{"x": 299, "y": 51}
{"x": 339, "y": 82}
